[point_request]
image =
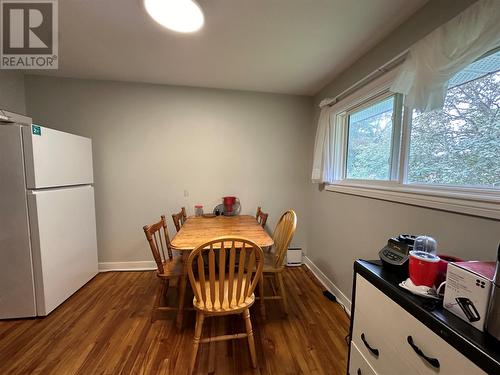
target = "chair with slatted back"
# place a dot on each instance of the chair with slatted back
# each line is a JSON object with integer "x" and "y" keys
{"x": 225, "y": 290}
{"x": 169, "y": 265}
{"x": 274, "y": 260}
{"x": 261, "y": 217}
{"x": 179, "y": 218}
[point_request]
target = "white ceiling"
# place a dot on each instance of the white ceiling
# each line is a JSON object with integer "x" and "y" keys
{"x": 282, "y": 46}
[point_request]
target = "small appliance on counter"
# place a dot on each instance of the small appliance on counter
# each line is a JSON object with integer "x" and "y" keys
{"x": 424, "y": 268}
{"x": 468, "y": 291}
{"x": 493, "y": 318}
{"x": 395, "y": 254}
{"x": 426, "y": 244}
{"x": 423, "y": 271}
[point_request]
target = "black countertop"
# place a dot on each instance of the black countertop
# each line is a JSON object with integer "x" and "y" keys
{"x": 479, "y": 347}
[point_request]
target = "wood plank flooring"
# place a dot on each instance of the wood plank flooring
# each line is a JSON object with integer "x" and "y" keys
{"x": 106, "y": 328}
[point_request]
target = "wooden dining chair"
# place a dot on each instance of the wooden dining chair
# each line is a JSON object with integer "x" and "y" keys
{"x": 274, "y": 260}
{"x": 169, "y": 265}
{"x": 261, "y": 217}
{"x": 179, "y": 218}
{"x": 225, "y": 290}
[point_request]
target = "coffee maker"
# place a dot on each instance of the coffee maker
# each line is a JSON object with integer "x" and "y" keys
{"x": 493, "y": 321}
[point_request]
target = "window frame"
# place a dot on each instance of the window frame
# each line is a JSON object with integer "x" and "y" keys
{"x": 470, "y": 200}
{"x": 395, "y": 134}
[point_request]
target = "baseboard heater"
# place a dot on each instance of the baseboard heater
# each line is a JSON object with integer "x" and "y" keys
{"x": 294, "y": 257}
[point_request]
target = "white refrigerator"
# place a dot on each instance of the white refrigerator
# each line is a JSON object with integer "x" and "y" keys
{"x": 48, "y": 245}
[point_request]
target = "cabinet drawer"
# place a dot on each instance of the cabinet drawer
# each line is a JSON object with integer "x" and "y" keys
{"x": 358, "y": 365}
{"x": 382, "y": 330}
{"x": 373, "y": 336}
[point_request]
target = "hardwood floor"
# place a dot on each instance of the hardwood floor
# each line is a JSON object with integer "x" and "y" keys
{"x": 106, "y": 328}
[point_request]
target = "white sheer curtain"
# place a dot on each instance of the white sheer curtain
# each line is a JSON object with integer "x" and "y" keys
{"x": 432, "y": 61}
{"x": 322, "y": 171}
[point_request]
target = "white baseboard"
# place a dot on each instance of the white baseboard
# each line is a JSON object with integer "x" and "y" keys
{"x": 127, "y": 266}
{"x": 151, "y": 265}
{"x": 328, "y": 284}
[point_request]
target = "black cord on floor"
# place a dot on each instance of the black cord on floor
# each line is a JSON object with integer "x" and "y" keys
{"x": 332, "y": 298}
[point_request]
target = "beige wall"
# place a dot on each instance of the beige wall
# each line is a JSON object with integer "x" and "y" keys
{"x": 12, "y": 91}
{"x": 345, "y": 227}
{"x": 152, "y": 142}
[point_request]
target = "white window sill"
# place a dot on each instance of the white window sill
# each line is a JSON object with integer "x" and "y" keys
{"x": 476, "y": 202}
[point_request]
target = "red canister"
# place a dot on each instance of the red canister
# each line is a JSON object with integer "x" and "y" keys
{"x": 423, "y": 268}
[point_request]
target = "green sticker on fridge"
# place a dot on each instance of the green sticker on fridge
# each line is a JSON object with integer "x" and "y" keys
{"x": 36, "y": 130}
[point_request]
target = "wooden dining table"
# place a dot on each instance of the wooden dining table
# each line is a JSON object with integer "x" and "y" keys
{"x": 199, "y": 229}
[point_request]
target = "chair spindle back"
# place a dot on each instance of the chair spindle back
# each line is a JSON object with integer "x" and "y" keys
{"x": 179, "y": 218}
{"x": 261, "y": 217}
{"x": 236, "y": 282}
{"x": 157, "y": 236}
{"x": 282, "y": 236}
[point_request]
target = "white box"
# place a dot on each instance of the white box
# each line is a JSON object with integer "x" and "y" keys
{"x": 468, "y": 288}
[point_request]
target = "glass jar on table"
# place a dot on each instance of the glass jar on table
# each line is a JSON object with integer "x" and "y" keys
{"x": 198, "y": 210}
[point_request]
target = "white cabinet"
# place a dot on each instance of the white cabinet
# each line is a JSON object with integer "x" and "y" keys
{"x": 392, "y": 341}
{"x": 359, "y": 365}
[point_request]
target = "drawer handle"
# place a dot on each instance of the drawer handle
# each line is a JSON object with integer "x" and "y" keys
{"x": 434, "y": 362}
{"x": 375, "y": 352}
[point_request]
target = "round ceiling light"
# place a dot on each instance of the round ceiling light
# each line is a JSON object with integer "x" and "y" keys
{"x": 184, "y": 16}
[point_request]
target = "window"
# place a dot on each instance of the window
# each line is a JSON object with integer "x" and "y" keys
{"x": 453, "y": 153}
{"x": 460, "y": 144}
{"x": 369, "y": 141}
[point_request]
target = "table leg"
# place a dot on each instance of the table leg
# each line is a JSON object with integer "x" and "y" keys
{"x": 261, "y": 295}
{"x": 182, "y": 291}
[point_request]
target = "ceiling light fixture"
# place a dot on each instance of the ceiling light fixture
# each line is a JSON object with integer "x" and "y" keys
{"x": 183, "y": 16}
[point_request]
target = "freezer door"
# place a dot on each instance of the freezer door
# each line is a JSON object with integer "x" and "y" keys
{"x": 17, "y": 294}
{"x": 63, "y": 241}
{"x": 54, "y": 158}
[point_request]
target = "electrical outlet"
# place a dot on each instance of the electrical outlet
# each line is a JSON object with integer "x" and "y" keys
{"x": 186, "y": 193}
